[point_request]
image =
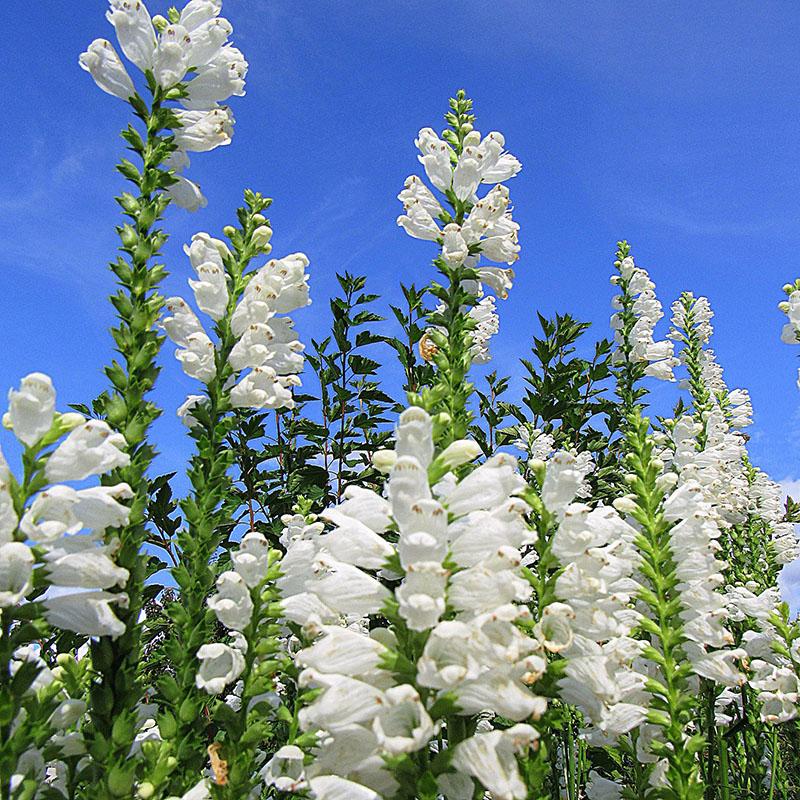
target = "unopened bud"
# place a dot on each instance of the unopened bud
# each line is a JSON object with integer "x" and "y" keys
{"x": 160, "y": 23}
{"x": 789, "y": 288}
{"x": 261, "y": 236}
{"x": 459, "y": 452}
{"x": 7, "y": 421}
{"x": 784, "y": 306}
{"x": 666, "y": 481}
{"x": 229, "y": 231}
{"x": 146, "y": 790}
{"x": 384, "y": 460}
{"x": 69, "y": 421}
{"x": 259, "y": 219}
{"x": 625, "y": 505}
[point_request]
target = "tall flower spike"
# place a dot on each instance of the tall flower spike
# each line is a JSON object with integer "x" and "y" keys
{"x": 186, "y": 58}
{"x": 457, "y": 164}
{"x": 452, "y": 592}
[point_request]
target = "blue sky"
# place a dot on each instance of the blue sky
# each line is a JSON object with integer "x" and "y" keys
{"x": 673, "y": 126}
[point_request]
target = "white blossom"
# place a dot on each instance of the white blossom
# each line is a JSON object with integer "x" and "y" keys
{"x": 91, "y": 449}
{"x": 31, "y": 408}
{"x": 104, "y": 65}
{"x": 220, "y": 665}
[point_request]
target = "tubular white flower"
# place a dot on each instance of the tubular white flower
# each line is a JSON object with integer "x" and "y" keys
{"x": 217, "y": 80}
{"x": 135, "y": 31}
{"x": 416, "y": 192}
{"x": 204, "y": 130}
{"x": 331, "y": 787}
{"x": 104, "y": 65}
{"x": 90, "y": 568}
{"x": 197, "y": 358}
{"x": 91, "y": 449}
{"x": 421, "y": 596}
{"x": 88, "y": 613}
{"x": 211, "y": 291}
{"x": 187, "y": 194}
{"x": 251, "y": 560}
{"x": 791, "y": 307}
{"x": 342, "y": 651}
{"x": 182, "y": 322}
{"x": 31, "y": 408}
{"x": 491, "y": 758}
{"x": 403, "y": 725}
{"x": 285, "y": 770}
{"x": 232, "y": 603}
{"x": 16, "y": 571}
{"x": 262, "y": 388}
{"x": 220, "y": 665}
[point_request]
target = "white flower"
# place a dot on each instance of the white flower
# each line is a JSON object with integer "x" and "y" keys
{"x": 135, "y": 31}
{"x": 435, "y": 158}
{"x": 489, "y": 485}
{"x": 87, "y": 568}
{"x": 332, "y": 787}
{"x": 220, "y": 666}
{"x": 342, "y": 651}
{"x": 345, "y": 701}
{"x": 211, "y": 290}
{"x": 454, "y": 248}
{"x": 91, "y": 449}
{"x": 8, "y": 516}
{"x": 31, "y": 408}
{"x": 16, "y": 570}
{"x": 491, "y": 758}
{"x": 185, "y": 409}
{"x": 421, "y": 597}
{"x": 403, "y": 725}
{"x": 197, "y": 358}
{"x": 67, "y": 713}
{"x": 97, "y": 507}
{"x": 204, "y": 130}
{"x": 232, "y": 603}
{"x": 415, "y": 191}
{"x": 102, "y": 62}
{"x": 487, "y": 324}
{"x": 262, "y": 388}
{"x": 285, "y": 770}
{"x": 251, "y": 560}
{"x": 467, "y": 174}
{"x": 187, "y": 194}
{"x": 222, "y": 77}
{"x": 88, "y": 613}
{"x": 600, "y": 788}
{"x": 347, "y": 589}
{"x": 418, "y": 222}
{"x": 182, "y": 322}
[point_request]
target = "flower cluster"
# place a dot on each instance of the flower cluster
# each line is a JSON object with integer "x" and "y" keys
{"x": 596, "y": 547}
{"x": 55, "y": 531}
{"x": 265, "y": 341}
{"x": 440, "y": 558}
{"x": 638, "y": 312}
{"x": 187, "y": 58}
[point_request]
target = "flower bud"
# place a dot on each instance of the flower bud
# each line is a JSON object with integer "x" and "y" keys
{"x": 261, "y": 236}
{"x": 384, "y": 460}
{"x": 667, "y": 481}
{"x": 625, "y": 505}
{"x": 69, "y": 421}
{"x": 229, "y": 231}
{"x": 789, "y": 288}
{"x": 146, "y": 790}
{"x": 459, "y": 452}
{"x": 159, "y": 22}
{"x": 259, "y": 219}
